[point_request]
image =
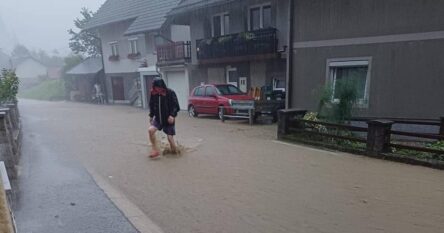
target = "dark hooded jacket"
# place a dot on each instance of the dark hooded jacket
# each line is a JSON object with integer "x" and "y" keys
{"x": 163, "y": 106}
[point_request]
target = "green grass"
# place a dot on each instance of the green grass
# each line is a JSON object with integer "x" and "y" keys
{"x": 46, "y": 90}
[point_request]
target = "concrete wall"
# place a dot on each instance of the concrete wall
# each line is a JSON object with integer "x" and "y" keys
{"x": 258, "y": 74}
{"x": 115, "y": 33}
{"x": 406, "y": 73}
{"x": 216, "y": 75}
{"x": 180, "y": 33}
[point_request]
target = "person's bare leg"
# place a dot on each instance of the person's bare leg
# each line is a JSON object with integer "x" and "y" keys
{"x": 172, "y": 144}
{"x": 152, "y": 135}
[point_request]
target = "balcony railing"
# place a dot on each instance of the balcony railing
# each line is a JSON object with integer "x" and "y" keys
{"x": 263, "y": 41}
{"x": 174, "y": 52}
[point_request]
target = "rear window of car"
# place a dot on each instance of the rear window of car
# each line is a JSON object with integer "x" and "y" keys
{"x": 209, "y": 91}
{"x": 199, "y": 91}
{"x": 228, "y": 90}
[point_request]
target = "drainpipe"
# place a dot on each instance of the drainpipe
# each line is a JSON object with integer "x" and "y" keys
{"x": 289, "y": 78}
{"x": 103, "y": 78}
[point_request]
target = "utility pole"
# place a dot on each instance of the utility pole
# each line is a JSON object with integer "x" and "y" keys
{"x": 289, "y": 78}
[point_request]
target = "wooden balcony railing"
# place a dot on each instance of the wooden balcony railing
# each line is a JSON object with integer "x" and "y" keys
{"x": 174, "y": 52}
{"x": 263, "y": 41}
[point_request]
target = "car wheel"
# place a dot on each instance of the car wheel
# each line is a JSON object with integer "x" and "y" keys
{"x": 192, "y": 111}
{"x": 221, "y": 113}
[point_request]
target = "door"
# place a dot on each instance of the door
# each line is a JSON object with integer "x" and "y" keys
{"x": 198, "y": 99}
{"x": 118, "y": 88}
{"x": 178, "y": 81}
{"x": 232, "y": 76}
{"x": 210, "y": 103}
{"x": 148, "y": 84}
{"x": 243, "y": 84}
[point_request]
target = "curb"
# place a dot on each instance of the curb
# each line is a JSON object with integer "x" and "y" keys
{"x": 136, "y": 216}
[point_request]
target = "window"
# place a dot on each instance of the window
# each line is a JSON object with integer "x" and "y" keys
{"x": 209, "y": 91}
{"x": 220, "y": 24}
{"x": 133, "y": 46}
{"x": 199, "y": 91}
{"x": 351, "y": 72}
{"x": 232, "y": 75}
{"x": 114, "y": 49}
{"x": 260, "y": 17}
{"x": 228, "y": 90}
{"x": 266, "y": 17}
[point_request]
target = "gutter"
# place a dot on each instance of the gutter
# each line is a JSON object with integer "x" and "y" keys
{"x": 289, "y": 78}
{"x": 195, "y": 6}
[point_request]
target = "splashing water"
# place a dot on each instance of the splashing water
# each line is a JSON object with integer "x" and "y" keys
{"x": 164, "y": 145}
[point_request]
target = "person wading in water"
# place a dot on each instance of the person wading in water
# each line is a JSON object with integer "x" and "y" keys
{"x": 164, "y": 107}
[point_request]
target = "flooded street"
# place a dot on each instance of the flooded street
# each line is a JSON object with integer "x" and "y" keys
{"x": 233, "y": 178}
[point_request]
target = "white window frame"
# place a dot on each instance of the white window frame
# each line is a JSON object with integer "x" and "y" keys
{"x": 135, "y": 41}
{"x": 261, "y": 14}
{"x": 230, "y": 68}
{"x": 222, "y": 23}
{"x": 114, "y": 48}
{"x": 350, "y": 62}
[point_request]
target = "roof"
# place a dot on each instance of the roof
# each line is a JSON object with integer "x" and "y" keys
{"x": 188, "y": 5}
{"x": 91, "y": 65}
{"x": 18, "y": 61}
{"x": 147, "y": 14}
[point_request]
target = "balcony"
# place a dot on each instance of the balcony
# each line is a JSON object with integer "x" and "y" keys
{"x": 252, "y": 45}
{"x": 174, "y": 53}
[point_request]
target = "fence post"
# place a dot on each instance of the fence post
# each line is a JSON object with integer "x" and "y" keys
{"x": 284, "y": 118}
{"x": 441, "y": 129}
{"x": 378, "y": 136}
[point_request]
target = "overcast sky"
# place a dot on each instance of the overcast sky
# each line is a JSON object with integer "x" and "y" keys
{"x": 43, "y": 23}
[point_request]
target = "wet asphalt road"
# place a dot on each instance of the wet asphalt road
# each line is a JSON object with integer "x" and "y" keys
{"x": 232, "y": 178}
{"x": 56, "y": 194}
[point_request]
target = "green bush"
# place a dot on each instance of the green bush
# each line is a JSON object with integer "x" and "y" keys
{"x": 346, "y": 93}
{"x": 9, "y": 85}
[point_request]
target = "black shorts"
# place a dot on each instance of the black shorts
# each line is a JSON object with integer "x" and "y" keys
{"x": 167, "y": 129}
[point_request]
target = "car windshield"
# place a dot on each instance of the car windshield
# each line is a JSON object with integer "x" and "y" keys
{"x": 228, "y": 90}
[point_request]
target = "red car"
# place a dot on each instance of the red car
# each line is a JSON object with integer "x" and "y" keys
{"x": 207, "y": 99}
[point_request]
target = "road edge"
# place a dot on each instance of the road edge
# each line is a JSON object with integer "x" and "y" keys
{"x": 135, "y": 216}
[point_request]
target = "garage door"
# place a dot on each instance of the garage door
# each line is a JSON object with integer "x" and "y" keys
{"x": 177, "y": 81}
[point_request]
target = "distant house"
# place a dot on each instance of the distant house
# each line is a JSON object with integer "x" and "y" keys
{"x": 392, "y": 49}
{"x": 129, "y": 31}
{"x": 83, "y": 77}
{"x": 235, "y": 42}
{"x": 55, "y": 72}
{"x": 29, "y": 71}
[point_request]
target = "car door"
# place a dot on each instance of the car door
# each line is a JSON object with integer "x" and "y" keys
{"x": 211, "y": 102}
{"x": 198, "y": 99}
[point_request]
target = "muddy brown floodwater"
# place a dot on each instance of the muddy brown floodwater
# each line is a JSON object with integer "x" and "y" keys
{"x": 233, "y": 178}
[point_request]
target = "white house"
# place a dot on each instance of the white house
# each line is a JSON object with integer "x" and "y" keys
{"x": 29, "y": 71}
{"x": 129, "y": 31}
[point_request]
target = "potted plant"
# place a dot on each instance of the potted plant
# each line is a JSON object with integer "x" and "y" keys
{"x": 134, "y": 56}
{"x": 113, "y": 58}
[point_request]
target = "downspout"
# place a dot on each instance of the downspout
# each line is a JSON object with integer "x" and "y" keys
{"x": 103, "y": 78}
{"x": 289, "y": 78}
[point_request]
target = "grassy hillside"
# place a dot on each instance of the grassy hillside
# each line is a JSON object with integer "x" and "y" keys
{"x": 46, "y": 90}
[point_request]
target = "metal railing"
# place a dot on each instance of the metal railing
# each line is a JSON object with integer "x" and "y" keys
{"x": 263, "y": 41}
{"x": 175, "y": 51}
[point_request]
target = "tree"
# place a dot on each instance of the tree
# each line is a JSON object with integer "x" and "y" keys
{"x": 84, "y": 41}
{"x": 9, "y": 84}
{"x": 20, "y": 51}
{"x": 50, "y": 61}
